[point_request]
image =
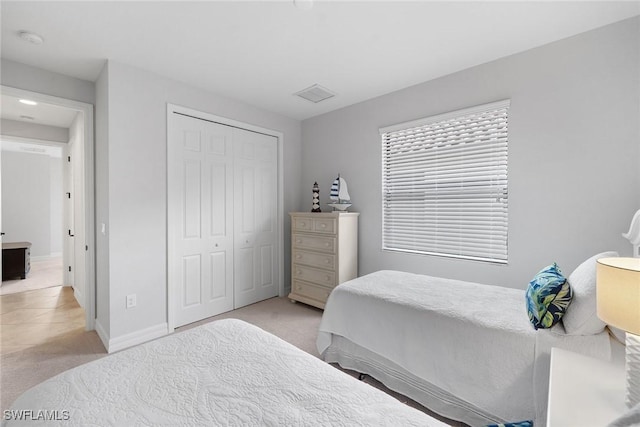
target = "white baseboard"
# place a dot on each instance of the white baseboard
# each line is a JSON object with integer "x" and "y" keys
{"x": 104, "y": 337}
{"x": 45, "y": 257}
{"x": 134, "y": 338}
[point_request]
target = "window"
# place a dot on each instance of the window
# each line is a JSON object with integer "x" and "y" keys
{"x": 444, "y": 184}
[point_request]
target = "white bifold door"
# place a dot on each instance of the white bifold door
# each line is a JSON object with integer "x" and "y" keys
{"x": 222, "y": 225}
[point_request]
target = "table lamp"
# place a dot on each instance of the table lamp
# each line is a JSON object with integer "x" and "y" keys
{"x": 618, "y": 301}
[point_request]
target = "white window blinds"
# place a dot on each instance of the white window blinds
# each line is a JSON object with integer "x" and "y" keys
{"x": 444, "y": 184}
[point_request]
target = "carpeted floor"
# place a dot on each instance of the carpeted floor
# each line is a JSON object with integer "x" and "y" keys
{"x": 21, "y": 370}
{"x": 294, "y": 323}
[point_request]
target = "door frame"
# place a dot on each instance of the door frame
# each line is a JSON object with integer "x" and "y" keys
{"x": 196, "y": 114}
{"x": 89, "y": 194}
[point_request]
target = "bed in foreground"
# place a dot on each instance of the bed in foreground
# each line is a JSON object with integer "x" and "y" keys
{"x": 226, "y": 373}
{"x": 464, "y": 350}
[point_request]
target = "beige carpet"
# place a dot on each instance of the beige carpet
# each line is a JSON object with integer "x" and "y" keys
{"x": 21, "y": 370}
{"x": 43, "y": 274}
{"x": 294, "y": 323}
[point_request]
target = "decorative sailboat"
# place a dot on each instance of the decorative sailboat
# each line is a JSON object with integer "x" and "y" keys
{"x": 340, "y": 194}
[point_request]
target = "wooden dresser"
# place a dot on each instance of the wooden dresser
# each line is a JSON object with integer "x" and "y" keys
{"x": 324, "y": 253}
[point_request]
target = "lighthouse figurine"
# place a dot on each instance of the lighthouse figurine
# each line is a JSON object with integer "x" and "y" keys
{"x": 316, "y": 198}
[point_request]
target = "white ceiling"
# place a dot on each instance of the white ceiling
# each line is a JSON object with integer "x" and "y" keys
{"x": 263, "y": 52}
{"x": 44, "y": 114}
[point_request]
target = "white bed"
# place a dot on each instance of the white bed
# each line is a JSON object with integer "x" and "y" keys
{"x": 224, "y": 373}
{"x": 464, "y": 350}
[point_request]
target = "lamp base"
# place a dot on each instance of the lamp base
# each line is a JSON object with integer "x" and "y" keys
{"x": 633, "y": 369}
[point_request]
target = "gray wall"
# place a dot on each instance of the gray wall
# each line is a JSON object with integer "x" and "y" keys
{"x": 26, "y": 77}
{"x": 574, "y": 152}
{"x": 131, "y": 157}
{"x": 28, "y": 201}
{"x": 34, "y": 131}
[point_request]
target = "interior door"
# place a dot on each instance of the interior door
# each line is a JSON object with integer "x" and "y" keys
{"x": 255, "y": 202}
{"x": 68, "y": 212}
{"x": 1, "y": 232}
{"x": 200, "y": 217}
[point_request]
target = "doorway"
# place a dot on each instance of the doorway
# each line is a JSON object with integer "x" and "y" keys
{"x": 78, "y": 225}
{"x": 32, "y": 212}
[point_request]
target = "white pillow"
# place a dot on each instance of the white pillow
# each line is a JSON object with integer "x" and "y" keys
{"x": 581, "y": 317}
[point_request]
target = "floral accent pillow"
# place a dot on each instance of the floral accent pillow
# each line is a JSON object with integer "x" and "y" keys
{"x": 548, "y": 297}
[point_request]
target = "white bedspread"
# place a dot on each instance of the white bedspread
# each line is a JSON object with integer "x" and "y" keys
{"x": 226, "y": 373}
{"x": 474, "y": 341}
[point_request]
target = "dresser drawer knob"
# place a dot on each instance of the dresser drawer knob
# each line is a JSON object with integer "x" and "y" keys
{"x": 328, "y": 278}
{"x": 298, "y": 272}
{"x": 323, "y": 225}
{"x": 298, "y": 256}
{"x": 327, "y": 244}
{"x": 327, "y": 261}
{"x": 302, "y": 224}
{"x": 298, "y": 241}
{"x": 299, "y": 287}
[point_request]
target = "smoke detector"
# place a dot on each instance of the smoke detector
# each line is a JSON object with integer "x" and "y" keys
{"x": 315, "y": 93}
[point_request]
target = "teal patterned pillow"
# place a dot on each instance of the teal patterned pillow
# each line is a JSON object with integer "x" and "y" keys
{"x": 518, "y": 424}
{"x": 548, "y": 297}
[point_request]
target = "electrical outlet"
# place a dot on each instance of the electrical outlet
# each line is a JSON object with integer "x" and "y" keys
{"x": 131, "y": 301}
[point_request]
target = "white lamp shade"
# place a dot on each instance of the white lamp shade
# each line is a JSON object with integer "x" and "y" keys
{"x": 618, "y": 292}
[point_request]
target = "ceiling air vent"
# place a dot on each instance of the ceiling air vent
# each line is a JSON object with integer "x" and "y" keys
{"x": 315, "y": 93}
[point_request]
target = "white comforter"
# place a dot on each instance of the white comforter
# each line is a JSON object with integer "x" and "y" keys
{"x": 473, "y": 341}
{"x": 226, "y": 373}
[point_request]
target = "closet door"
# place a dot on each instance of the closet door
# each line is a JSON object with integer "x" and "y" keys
{"x": 200, "y": 218}
{"x": 255, "y": 221}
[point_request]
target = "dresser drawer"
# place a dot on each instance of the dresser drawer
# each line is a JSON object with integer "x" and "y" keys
{"x": 315, "y": 259}
{"x": 302, "y": 224}
{"x": 314, "y": 275}
{"x": 324, "y": 225}
{"x": 309, "y": 290}
{"x": 314, "y": 225}
{"x": 315, "y": 243}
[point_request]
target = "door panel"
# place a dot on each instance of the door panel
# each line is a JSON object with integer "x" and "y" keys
{"x": 255, "y": 237}
{"x": 200, "y": 214}
{"x": 192, "y": 193}
{"x": 218, "y": 275}
{"x": 192, "y": 281}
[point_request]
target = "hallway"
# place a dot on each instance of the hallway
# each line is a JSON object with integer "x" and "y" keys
{"x": 31, "y": 318}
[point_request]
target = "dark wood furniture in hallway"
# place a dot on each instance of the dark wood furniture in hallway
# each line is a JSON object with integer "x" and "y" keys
{"x": 16, "y": 260}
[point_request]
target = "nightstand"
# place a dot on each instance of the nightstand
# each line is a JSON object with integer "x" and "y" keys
{"x": 584, "y": 391}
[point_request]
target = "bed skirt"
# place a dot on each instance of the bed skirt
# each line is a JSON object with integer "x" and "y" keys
{"x": 351, "y": 356}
